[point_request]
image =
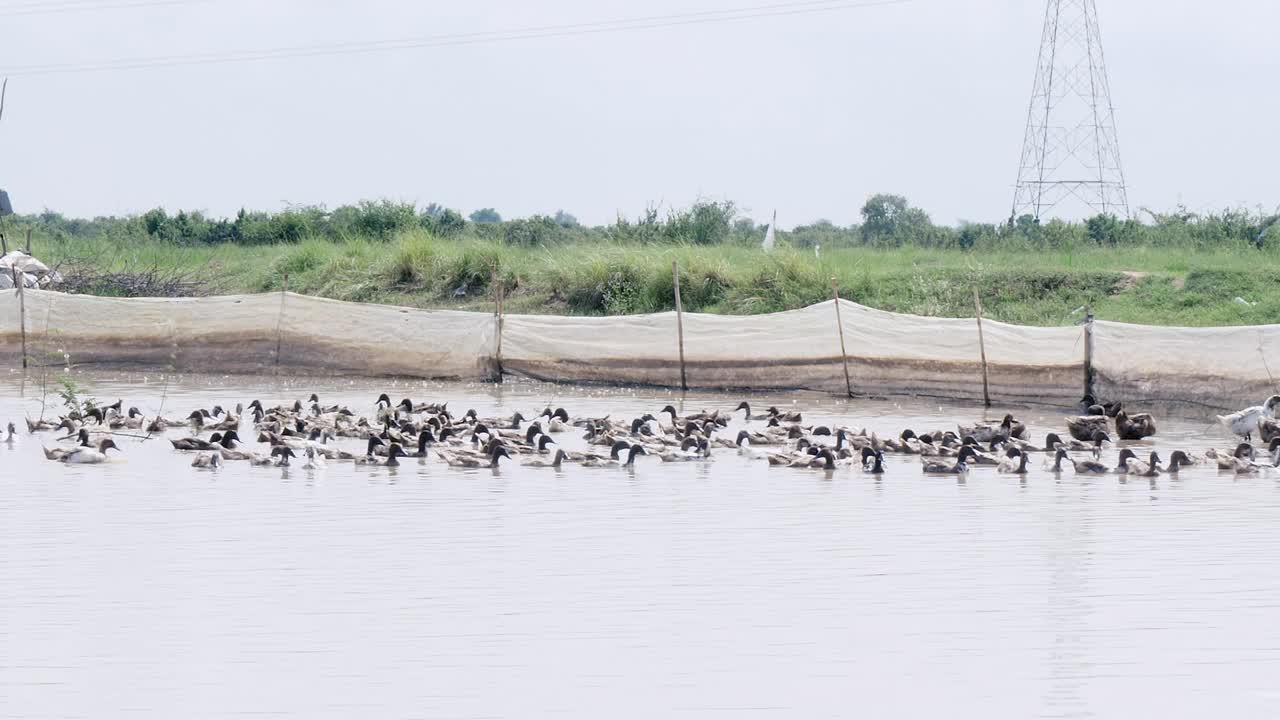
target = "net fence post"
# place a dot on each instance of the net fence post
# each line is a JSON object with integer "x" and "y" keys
{"x": 22, "y": 311}
{"x": 982, "y": 350}
{"x": 675, "y": 281}
{"x": 498, "y": 298}
{"x": 1088, "y": 353}
{"x": 844, "y": 354}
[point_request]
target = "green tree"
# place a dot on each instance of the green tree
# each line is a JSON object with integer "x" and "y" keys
{"x": 445, "y": 223}
{"x": 486, "y": 216}
{"x": 890, "y": 220}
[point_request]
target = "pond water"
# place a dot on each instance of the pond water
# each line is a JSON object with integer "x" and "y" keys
{"x": 145, "y": 588}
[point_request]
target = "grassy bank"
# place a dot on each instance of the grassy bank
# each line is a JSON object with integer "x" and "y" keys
{"x": 1040, "y": 287}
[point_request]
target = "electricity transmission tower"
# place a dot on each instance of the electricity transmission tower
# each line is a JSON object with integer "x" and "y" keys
{"x": 1070, "y": 153}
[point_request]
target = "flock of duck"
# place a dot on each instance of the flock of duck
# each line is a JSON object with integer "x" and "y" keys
{"x": 301, "y": 434}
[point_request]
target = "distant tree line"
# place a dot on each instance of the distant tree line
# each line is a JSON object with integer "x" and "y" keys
{"x": 887, "y": 221}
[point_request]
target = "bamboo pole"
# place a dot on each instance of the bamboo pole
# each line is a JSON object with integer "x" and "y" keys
{"x": 1088, "y": 352}
{"x": 982, "y": 349}
{"x": 675, "y": 280}
{"x": 22, "y": 312}
{"x": 844, "y": 354}
{"x": 499, "y": 298}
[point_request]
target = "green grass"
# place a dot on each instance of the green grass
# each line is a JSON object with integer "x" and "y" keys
{"x": 1141, "y": 285}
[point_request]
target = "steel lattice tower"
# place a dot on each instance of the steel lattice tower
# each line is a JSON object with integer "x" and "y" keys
{"x": 1071, "y": 151}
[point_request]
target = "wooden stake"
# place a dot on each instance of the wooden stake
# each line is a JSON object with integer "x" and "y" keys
{"x": 982, "y": 349}
{"x": 22, "y": 312}
{"x": 675, "y": 278}
{"x": 29, "y": 251}
{"x": 1088, "y": 352}
{"x": 499, "y": 297}
{"x": 844, "y": 354}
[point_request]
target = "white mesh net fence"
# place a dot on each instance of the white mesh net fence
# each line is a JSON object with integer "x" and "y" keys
{"x": 888, "y": 354}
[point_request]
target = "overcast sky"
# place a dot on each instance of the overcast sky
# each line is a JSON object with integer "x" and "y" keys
{"x": 808, "y": 114}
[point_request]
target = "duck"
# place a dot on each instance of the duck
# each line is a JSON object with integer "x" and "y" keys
{"x": 556, "y": 463}
{"x": 872, "y": 461}
{"x": 370, "y": 457}
{"x": 595, "y": 459}
{"x": 1053, "y": 442}
{"x": 425, "y": 438}
{"x": 1244, "y": 423}
{"x": 35, "y": 426}
{"x": 691, "y": 449}
{"x": 1136, "y": 427}
{"x": 89, "y": 456}
{"x": 615, "y": 459}
{"x": 744, "y": 445}
{"x": 11, "y": 434}
{"x": 786, "y": 417}
{"x": 131, "y": 421}
{"x": 802, "y": 452}
{"x": 1178, "y": 460}
{"x": 1015, "y": 462}
{"x": 823, "y": 459}
{"x": 1125, "y": 456}
{"x": 1268, "y": 429}
{"x": 1081, "y": 467}
{"x": 282, "y": 454}
{"x": 394, "y": 453}
{"x": 1243, "y": 455}
{"x": 557, "y": 420}
{"x": 980, "y": 458}
{"x": 1085, "y": 427}
{"x": 82, "y": 440}
{"x": 315, "y": 461}
{"x": 1149, "y": 468}
{"x": 471, "y": 461}
{"x": 191, "y": 443}
{"x": 677, "y": 421}
{"x": 210, "y": 461}
{"x": 754, "y": 438}
{"x": 748, "y": 417}
{"x": 510, "y": 423}
{"x": 161, "y": 424}
{"x": 947, "y": 444}
{"x": 906, "y": 443}
{"x": 228, "y": 421}
{"x": 410, "y": 406}
{"x": 986, "y": 432}
{"x": 225, "y": 445}
{"x": 942, "y": 467}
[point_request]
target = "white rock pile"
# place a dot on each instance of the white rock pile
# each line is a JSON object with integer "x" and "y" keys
{"x": 29, "y": 271}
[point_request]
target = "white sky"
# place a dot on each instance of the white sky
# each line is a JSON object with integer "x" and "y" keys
{"x": 806, "y": 114}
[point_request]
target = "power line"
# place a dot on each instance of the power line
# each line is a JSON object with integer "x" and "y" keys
{"x": 55, "y": 8}
{"x": 458, "y": 39}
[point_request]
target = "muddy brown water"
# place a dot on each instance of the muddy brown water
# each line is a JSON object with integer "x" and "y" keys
{"x": 148, "y": 589}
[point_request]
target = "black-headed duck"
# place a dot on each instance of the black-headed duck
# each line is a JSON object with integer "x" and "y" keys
{"x": 942, "y": 467}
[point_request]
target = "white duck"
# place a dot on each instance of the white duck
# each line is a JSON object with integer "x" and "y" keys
{"x": 1245, "y": 422}
{"x": 211, "y": 460}
{"x": 315, "y": 460}
{"x": 88, "y": 455}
